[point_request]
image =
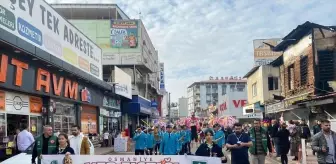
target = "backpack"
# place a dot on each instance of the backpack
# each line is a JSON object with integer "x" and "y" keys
{"x": 305, "y": 132}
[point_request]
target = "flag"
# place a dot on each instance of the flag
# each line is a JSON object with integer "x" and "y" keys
{"x": 199, "y": 162}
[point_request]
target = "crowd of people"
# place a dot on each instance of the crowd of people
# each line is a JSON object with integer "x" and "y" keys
{"x": 51, "y": 143}
{"x": 244, "y": 142}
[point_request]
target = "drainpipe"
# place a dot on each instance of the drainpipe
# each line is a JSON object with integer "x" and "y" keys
{"x": 146, "y": 91}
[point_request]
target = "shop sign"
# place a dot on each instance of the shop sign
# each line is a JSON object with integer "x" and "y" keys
{"x": 111, "y": 103}
{"x": 254, "y": 115}
{"x": 162, "y": 76}
{"x": 104, "y": 112}
{"x": 123, "y": 83}
{"x": 35, "y": 104}
{"x": 85, "y": 95}
{"x": 2, "y": 100}
{"x": 17, "y": 103}
{"x": 145, "y": 110}
{"x": 39, "y": 24}
{"x": 115, "y": 114}
{"x": 291, "y": 101}
{"x": 45, "y": 81}
{"x": 154, "y": 104}
{"x": 274, "y": 108}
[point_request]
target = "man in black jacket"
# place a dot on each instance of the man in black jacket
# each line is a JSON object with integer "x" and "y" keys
{"x": 273, "y": 130}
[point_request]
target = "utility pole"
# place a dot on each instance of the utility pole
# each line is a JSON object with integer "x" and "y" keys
{"x": 169, "y": 106}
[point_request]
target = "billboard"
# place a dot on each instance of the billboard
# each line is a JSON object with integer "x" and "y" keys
{"x": 162, "y": 78}
{"x": 39, "y": 24}
{"x": 124, "y": 33}
{"x": 263, "y": 53}
{"x": 123, "y": 82}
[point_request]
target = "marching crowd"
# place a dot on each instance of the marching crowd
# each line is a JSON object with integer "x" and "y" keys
{"x": 244, "y": 142}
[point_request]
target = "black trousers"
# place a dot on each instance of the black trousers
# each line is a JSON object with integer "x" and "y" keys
{"x": 157, "y": 148}
{"x": 139, "y": 152}
{"x": 149, "y": 151}
{"x": 106, "y": 141}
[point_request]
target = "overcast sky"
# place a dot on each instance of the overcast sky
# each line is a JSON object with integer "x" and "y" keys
{"x": 201, "y": 38}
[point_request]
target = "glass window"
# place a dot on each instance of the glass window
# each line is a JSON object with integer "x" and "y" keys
{"x": 254, "y": 89}
{"x": 223, "y": 89}
{"x": 3, "y": 126}
{"x": 35, "y": 125}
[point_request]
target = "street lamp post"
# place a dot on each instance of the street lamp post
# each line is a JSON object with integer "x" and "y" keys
{"x": 169, "y": 105}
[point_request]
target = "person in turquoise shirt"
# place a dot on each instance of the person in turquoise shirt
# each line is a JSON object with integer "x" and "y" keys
{"x": 150, "y": 142}
{"x": 188, "y": 138}
{"x": 219, "y": 136}
{"x": 169, "y": 143}
{"x": 140, "y": 139}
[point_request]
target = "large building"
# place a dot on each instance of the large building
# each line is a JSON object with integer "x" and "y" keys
{"x": 307, "y": 73}
{"x": 50, "y": 76}
{"x": 125, "y": 43}
{"x": 227, "y": 94}
{"x": 183, "y": 106}
{"x": 262, "y": 83}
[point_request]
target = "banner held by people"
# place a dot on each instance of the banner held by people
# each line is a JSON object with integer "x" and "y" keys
{"x": 129, "y": 159}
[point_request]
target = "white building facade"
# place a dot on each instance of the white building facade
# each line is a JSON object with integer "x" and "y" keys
{"x": 183, "y": 106}
{"x": 228, "y": 94}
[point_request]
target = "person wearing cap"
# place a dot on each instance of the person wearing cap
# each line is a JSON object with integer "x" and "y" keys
{"x": 140, "y": 139}
{"x": 219, "y": 136}
{"x": 169, "y": 143}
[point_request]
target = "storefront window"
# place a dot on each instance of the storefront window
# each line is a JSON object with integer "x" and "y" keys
{"x": 2, "y": 126}
{"x": 64, "y": 117}
{"x": 35, "y": 125}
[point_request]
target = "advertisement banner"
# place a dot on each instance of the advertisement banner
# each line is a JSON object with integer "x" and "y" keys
{"x": 263, "y": 53}
{"x": 124, "y": 33}
{"x": 89, "y": 120}
{"x": 123, "y": 86}
{"x": 39, "y": 24}
{"x": 130, "y": 159}
{"x": 162, "y": 78}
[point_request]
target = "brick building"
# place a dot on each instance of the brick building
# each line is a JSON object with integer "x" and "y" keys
{"x": 307, "y": 73}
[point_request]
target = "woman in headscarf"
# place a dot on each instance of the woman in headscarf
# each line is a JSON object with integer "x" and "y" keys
{"x": 284, "y": 144}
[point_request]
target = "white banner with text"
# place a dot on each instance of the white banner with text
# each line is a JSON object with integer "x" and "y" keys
{"x": 129, "y": 159}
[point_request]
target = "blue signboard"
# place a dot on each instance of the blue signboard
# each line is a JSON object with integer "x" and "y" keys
{"x": 29, "y": 31}
{"x": 162, "y": 78}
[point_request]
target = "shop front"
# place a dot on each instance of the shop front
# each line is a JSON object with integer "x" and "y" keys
{"x": 110, "y": 115}
{"x": 45, "y": 76}
{"x": 63, "y": 98}
{"x": 18, "y": 110}
{"x": 138, "y": 111}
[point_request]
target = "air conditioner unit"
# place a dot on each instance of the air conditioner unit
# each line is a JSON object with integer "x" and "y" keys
{"x": 145, "y": 60}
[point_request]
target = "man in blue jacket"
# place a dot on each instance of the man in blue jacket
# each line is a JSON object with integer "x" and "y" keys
{"x": 169, "y": 143}
{"x": 140, "y": 139}
{"x": 150, "y": 142}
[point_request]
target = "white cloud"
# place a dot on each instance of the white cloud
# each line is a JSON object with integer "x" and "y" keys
{"x": 216, "y": 36}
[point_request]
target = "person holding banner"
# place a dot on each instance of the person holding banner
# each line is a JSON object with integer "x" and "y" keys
{"x": 140, "y": 139}
{"x": 169, "y": 143}
{"x": 64, "y": 145}
{"x": 44, "y": 144}
{"x": 157, "y": 137}
{"x": 209, "y": 148}
{"x": 150, "y": 142}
